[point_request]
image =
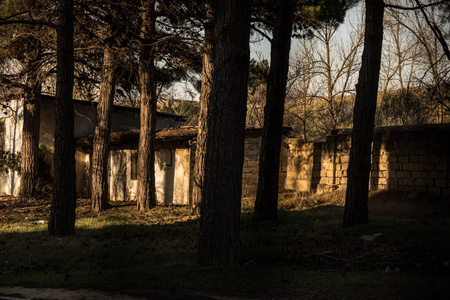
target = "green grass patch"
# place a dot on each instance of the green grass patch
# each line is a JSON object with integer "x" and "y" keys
{"x": 304, "y": 254}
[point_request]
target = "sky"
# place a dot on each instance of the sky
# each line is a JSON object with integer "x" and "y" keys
{"x": 261, "y": 50}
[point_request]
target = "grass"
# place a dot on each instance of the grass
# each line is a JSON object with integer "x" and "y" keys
{"x": 305, "y": 254}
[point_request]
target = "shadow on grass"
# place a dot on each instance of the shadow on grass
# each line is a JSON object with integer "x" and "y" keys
{"x": 305, "y": 254}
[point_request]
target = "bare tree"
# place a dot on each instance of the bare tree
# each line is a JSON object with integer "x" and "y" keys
{"x": 302, "y": 92}
{"x": 336, "y": 66}
{"x": 320, "y": 86}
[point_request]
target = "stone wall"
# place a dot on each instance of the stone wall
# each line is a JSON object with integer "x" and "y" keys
{"x": 408, "y": 158}
{"x": 250, "y": 169}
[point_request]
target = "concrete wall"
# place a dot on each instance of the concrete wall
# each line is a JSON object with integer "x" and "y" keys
{"x": 410, "y": 158}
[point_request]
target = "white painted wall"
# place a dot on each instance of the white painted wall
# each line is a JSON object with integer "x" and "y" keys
{"x": 12, "y": 116}
{"x": 171, "y": 176}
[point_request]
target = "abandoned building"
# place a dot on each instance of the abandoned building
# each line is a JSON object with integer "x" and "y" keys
{"x": 409, "y": 158}
{"x": 11, "y": 123}
{"x": 174, "y": 163}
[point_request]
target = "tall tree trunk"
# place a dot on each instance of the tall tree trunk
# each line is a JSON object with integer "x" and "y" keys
{"x": 207, "y": 72}
{"x": 219, "y": 238}
{"x": 100, "y": 153}
{"x": 62, "y": 217}
{"x": 146, "y": 191}
{"x": 30, "y": 134}
{"x": 356, "y": 207}
{"x": 269, "y": 161}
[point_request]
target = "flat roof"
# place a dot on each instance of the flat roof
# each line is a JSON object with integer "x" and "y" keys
{"x": 47, "y": 97}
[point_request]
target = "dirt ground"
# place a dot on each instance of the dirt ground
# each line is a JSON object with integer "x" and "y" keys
{"x": 17, "y": 292}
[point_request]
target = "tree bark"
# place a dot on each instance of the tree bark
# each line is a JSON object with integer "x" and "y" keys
{"x": 207, "y": 72}
{"x": 101, "y": 144}
{"x": 356, "y": 207}
{"x": 269, "y": 162}
{"x": 219, "y": 238}
{"x": 62, "y": 217}
{"x": 146, "y": 191}
{"x": 30, "y": 134}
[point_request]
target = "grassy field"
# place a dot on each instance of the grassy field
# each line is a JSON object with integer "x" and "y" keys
{"x": 403, "y": 253}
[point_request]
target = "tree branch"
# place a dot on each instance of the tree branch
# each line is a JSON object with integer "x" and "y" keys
{"x": 30, "y": 22}
{"x": 419, "y": 6}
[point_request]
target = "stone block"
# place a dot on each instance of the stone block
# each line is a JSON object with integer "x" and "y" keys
{"x": 419, "y": 166}
{"x": 435, "y": 159}
{"x": 393, "y": 187}
{"x": 413, "y": 158}
{"x": 423, "y": 150}
{"x": 383, "y": 159}
{"x": 430, "y": 167}
{"x": 383, "y": 166}
{"x": 403, "y": 174}
{"x": 406, "y": 181}
{"x": 382, "y": 181}
{"x": 408, "y": 166}
{"x": 392, "y": 158}
{"x": 393, "y": 181}
{"x": 433, "y": 175}
{"x": 416, "y": 174}
{"x": 441, "y": 183}
{"x": 252, "y": 163}
{"x": 441, "y": 167}
{"x": 404, "y": 151}
{"x": 434, "y": 190}
{"x": 344, "y": 159}
{"x": 394, "y": 166}
{"x": 424, "y": 158}
{"x": 420, "y": 182}
{"x": 403, "y": 159}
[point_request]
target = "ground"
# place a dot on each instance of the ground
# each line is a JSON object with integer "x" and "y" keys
{"x": 403, "y": 253}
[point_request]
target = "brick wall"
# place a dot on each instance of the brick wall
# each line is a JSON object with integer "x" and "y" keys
{"x": 409, "y": 158}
